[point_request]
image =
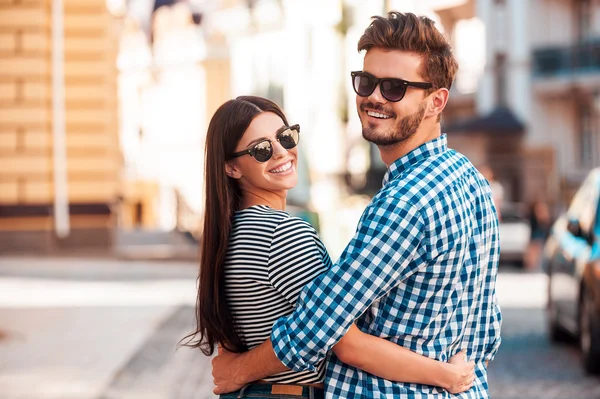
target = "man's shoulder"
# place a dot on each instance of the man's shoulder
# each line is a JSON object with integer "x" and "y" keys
{"x": 422, "y": 184}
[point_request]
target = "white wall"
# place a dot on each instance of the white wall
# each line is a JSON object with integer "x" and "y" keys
{"x": 556, "y": 126}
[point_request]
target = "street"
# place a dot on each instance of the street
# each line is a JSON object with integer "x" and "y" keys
{"x": 105, "y": 329}
{"x": 528, "y": 366}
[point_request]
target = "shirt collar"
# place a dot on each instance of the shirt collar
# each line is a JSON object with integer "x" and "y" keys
{"x": 427, "y": 150}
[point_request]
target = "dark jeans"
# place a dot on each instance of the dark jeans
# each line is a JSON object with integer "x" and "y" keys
{"x": 276, "y": 391}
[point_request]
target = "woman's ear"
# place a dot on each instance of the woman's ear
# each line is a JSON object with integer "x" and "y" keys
{"x": 232, "y": 170}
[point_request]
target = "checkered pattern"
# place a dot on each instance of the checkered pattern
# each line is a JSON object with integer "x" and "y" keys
{"x": 420, "y": 271}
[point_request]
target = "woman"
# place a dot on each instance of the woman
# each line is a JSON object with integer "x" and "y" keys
{"x": 255, "y": 258}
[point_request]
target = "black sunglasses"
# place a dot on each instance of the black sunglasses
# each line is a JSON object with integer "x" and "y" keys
{"x": 392, "y": 89}
{"x": 262, "y": 151}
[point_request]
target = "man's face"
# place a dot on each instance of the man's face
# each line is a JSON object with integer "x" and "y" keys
{"x": 387, "y": 123}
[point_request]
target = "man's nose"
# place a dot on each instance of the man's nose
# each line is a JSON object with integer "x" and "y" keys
{"x": 376, "y": 96}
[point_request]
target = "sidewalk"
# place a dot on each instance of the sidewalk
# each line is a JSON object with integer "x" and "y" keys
{"x": 80, "y": 328}
{"x": 157, "y": 371}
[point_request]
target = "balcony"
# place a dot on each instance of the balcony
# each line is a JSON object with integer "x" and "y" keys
{"x": 559, "y": 68}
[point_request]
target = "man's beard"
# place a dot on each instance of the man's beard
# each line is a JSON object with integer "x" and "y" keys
{"x": 403, "y": 131}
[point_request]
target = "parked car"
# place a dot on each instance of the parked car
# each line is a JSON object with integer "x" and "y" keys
{"x": 572, "y": 261}
{"x": 514, "y": 234}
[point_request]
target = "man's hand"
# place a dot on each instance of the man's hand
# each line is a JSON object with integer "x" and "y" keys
{"x": 231, "y": 371}
{"x": 227, "y": 372}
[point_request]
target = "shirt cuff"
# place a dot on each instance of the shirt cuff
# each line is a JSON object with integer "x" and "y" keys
{"x": 492, "y": 353}
{"x": 285, "y": 349}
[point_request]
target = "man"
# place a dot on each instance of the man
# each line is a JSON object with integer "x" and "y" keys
{"x": 421, "y": 269}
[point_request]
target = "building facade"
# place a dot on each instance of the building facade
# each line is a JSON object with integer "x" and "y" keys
{"x": 26, "y": 124}
{"x": 565, "y": 86}
{"x": 172, "y": 78}
{"x": 535, "y": 114}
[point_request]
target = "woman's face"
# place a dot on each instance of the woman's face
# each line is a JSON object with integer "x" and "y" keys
{"x": 278, "y": 173}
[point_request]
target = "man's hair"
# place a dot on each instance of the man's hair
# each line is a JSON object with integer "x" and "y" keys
{"x": 418, "y": 35}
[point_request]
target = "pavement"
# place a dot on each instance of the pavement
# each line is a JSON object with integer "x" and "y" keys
{"x": 108, "y": 329}
{"x": 98, "y": 328}
{"x": 528, "y": 365}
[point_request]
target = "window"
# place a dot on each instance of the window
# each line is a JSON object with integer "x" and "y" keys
{"x": 588, "y": 212}
{"x": 597, "y": 227}
{"x": 585, "y": 203}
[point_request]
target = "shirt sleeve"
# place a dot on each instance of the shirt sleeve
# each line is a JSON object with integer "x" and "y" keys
{"x": 493, "y": 333}
{"x": 297, "y": 256}
{"x": 379, "y": 257}
{"x": 493, "y": 315}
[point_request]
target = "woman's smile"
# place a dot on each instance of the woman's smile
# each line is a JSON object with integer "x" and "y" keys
{"x": 283, "y": 168}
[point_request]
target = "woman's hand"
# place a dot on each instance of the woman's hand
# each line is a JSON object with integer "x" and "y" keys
{"x": 461, "y": 374}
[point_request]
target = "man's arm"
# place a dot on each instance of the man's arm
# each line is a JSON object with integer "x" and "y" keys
{"x": 379, "y": 256}
{"x": 388, "y": 247}
{"x": 231, "y": 371}
{"x": 373, "y": 354}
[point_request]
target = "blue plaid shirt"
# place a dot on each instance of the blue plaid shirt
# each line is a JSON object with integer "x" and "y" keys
{"x": 420, "y": 271}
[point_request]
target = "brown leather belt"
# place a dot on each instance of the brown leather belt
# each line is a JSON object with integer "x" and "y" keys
{"x": 288, "y": 391}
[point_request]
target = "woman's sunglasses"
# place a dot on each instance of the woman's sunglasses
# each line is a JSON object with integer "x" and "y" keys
{"x": 262, "y": 151}
{"x": 392, "y": 89}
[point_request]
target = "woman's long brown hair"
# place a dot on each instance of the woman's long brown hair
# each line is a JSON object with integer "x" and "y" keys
{"x": 215, "y": 324}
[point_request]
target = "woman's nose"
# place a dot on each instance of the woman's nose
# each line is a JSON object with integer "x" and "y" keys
{"x": 278, "y": 150}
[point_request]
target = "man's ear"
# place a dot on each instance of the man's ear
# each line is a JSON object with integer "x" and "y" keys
{"x": 439, "y": 101}
{"x": 232, "y": 170}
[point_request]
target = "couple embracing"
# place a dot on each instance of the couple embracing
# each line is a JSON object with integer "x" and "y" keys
{"x": 409, "y": 310}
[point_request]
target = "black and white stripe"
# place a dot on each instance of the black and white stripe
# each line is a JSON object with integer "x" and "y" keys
{"x": 271, "y": 257}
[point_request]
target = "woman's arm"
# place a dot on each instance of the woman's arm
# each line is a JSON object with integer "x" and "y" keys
{"x": 396, "y": 363}
{"x": 231, "y": 371}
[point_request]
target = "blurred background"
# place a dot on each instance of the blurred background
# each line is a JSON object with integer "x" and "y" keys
{"x": 104, "y": 105}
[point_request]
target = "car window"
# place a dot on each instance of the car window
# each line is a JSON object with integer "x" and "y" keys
{"x": 585, "y": 204}
{"x": 597, "y": 216}
{"x": 588, "y": 214}
{"x": 597, "y": 228}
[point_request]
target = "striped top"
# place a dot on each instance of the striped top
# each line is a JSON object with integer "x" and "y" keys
{"x": 271, "y": 257}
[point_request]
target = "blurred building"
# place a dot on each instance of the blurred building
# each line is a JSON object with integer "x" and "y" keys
{"x": 565, "y": 98}
{"x": 173, "y": 74}
{"x": 140, "y": 90}
{"x": 518, "y": 103}
{"x": 27, "y": 190}
{"x": 163, "y": 96}
{"x": 292, "y": 53}
{"x": 535, "y": 114}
